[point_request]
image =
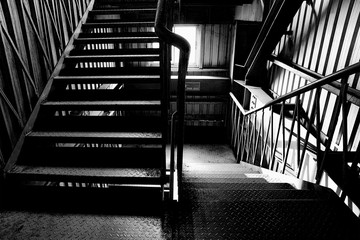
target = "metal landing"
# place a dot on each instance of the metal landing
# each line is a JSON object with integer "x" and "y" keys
{"x": 77, "y": 213}
{"x": 229, "y": 201}
{"x": 220, "y": 201}
{"x": 32, "y": 225}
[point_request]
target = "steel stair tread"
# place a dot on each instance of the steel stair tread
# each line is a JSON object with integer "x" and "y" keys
{"x": 124, "y": 5}
{"x": 249, "y": 184}
{"x": 122, "y": 51}
{"x": 107, "y": 79}
{"x": 216, "y": 168}
{"x": 117, "y": 11}
{"x": 131, "y": 92}
{"x": 77, "y": 156}
{"x": 95, "y": 135}
{"x": 283, "y": 220}
{"x": 117, "y": 25}
{"x": 211, "y": 195}
{"x": 97, "y": 123}
{"x": 87, "y": 35}
{"x": 126, "y": 17}
{"x": 108, "y": 175}
{"x": 110, "y": 71}
{"x": 111, "y": 58}
{"x": 116, "y": 40}
{"x": 103, "y": 105}
{"x": 120, "y": 6}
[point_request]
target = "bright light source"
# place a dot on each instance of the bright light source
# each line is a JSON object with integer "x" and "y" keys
{"x": 189, "y": 33}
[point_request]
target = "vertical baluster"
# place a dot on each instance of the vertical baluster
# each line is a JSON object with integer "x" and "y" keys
{"x": 250, "y": 141}
{"x": 283, "y": 132}
{"x": 277, "y": 138}
{"x": 233, "y": 119}
{"x": 307, "y": 135}
{"x": 345, "y": 135}
{"x": 246, "y": 119}
{"x": 240, "y": 137}
{"x": 332, "y": 125}
{"x": 291, "y": 133}
{"x": 265, "y": 143}
{"x": 298, "y": 135}
{"x": 258, "y": 137}
{"x": 271, "y": 137}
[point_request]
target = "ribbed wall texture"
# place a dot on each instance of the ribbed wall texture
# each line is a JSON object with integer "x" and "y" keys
{"x": 33, "y": 35}
{"x": 216, "y": 45}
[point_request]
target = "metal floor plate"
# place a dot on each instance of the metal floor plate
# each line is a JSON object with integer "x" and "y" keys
{"x": 30, "y": 225}
{"x": 219, "y": 204}
{"x": 265, "y": 220}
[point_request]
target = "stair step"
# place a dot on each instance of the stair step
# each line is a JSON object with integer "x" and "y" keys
{"x": 121, "y": 14}
{"x": 87, "y": 26}
{"x": 114, "y": 71}
{"x": 123, "y": 51}
{"x": 267, "y": 220}
{"x": 132, "y": 16}
{"x": 116, "y": 40}
{"x": 64, "y": 80}
{"x": 223, "y": 180}
{"x": 101, "y": 157}
{"x": 250, "y": 184}
{"x": 216, "y": 195}
{"x": 107, "y": 95}
{"x": 124, "y": 4}
{"x": 102, "y": 105}
{"x": 87, "y": 175}
{"x": 116, "y": 34}
{"x": 217, "y": 168}
{"x": 95, "y": 137}
{"x": 97, "y": 123}
{"x": 83, "y": 197}
{"x": 119, "y": 11}
{"x": 112, "y": 58}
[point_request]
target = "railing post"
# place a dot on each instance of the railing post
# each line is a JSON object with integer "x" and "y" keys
{"x": 173, "y": 39}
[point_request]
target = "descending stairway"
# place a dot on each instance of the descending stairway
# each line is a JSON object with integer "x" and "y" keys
{"x": 102, "y": 120}
{"x": 238, "y": 201}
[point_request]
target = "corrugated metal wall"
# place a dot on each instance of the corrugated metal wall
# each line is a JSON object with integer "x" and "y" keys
{"x": 216, "y": 45}
{"x": 33, "y": 34}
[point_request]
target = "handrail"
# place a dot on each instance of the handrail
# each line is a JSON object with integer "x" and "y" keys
{"x": 277, "y": 156}
{"x": 182, "y": 44}
{"x": 325, "y": 80}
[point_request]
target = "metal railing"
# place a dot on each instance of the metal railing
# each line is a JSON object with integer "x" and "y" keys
{"x": 161, "y": 28}
{"x": 266, "y": 135}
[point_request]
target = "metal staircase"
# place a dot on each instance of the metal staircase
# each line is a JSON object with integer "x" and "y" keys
{"x": 102, "y": 119}
{"x": 242, "y": 201}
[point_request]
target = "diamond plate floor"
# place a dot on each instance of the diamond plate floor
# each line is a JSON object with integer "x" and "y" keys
{"x": 220, "y": 201}
{"x": 32, "y": 225}
{"x": 236, "y": 201}
{"x": 80, "y": 213}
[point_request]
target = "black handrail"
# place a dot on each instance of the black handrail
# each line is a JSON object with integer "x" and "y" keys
{"x": 182, "y": 44}
{"x": 316, "y": 85}
{"x": 352, "y": 69}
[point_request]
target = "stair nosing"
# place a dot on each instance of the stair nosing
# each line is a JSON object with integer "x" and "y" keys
{"x": 103, "y": 103}
{"x": 98, "y": 134}
{"x": 95, "y": 174}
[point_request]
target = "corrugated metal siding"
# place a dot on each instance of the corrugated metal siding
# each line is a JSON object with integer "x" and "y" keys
{"x": 33, "y": 34}
{"x": 325, "y": 40}
{"x": 216, "y": 45}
